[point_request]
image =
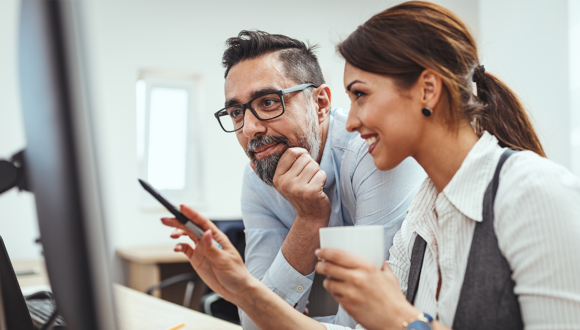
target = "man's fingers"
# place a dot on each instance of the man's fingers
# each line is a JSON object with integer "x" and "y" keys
{"x": 319, "y": 178}
{"x": 288, "y": 159}
{"x": 308, "y": 172}
{"x": 299, "y": 165}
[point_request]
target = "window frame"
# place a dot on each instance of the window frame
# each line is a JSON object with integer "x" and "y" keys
{"x": 192, "y": 194}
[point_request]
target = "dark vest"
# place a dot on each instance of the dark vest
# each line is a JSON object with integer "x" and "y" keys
{"x": 487, "y": 300}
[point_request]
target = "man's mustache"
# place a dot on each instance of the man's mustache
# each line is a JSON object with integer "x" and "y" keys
{"x": 259, "y": 141}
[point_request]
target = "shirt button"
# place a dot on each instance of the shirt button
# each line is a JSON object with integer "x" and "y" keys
{"x": 299, "y": 288}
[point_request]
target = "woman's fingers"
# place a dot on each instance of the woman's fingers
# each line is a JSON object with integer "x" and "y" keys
{"x": 177, "y": 233}
{"x": 185, "y": 248}
{"x": 172, "y": 222}
{"x": 203, "y": 222}
{"x": 335, "y": 287}
{"x": 206, "y": 224}
{"x": 343, "y": 258}
{"x": 211, "y": 250}
{"x": 333, "y": 270}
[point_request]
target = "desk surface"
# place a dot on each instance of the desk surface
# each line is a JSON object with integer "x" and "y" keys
{"x": 138, "y": 311}
{"x": 33, "y": 273}
{"x": 135, "y": 310}
{"x": 152, "y": 255}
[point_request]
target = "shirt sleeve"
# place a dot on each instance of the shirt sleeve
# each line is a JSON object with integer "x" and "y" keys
{"x": 265, "y": 233}
{"x": 538, "y": 228}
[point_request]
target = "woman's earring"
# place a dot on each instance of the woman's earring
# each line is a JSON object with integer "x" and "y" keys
{"x": 427, "y": 112}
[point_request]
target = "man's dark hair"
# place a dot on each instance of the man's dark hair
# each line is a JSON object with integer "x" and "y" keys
{"x": 298, "y": 59}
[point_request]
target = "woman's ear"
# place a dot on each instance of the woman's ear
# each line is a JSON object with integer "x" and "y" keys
{"x": 322, "y": 97}
{"x": 431, "y": 86}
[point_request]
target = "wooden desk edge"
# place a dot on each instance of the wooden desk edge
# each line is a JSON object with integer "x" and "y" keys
{"x": 129, "y": 302}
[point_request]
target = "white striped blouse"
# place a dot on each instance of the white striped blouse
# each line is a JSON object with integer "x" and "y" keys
{"x": 537, "y": 223}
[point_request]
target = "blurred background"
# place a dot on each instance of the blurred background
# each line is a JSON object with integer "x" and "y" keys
{"x": 156, "y": 80}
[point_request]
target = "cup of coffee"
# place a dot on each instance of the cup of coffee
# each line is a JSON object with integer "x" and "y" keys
{"x": 364, "y": 241}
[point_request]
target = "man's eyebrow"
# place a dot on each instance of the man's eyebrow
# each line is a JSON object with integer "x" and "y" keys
{"x": 263, "y": 91}
{"x": 253, "y": 95}
{"x": 231, "y": 102}
{"x": 352, "y": 83}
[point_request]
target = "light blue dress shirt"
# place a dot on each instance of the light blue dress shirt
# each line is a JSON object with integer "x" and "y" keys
{"x": 359, "y": 194}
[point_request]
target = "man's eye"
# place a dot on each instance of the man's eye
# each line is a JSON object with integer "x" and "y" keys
{"x": 236, "y": 113}
{"x": 268, "y": 103}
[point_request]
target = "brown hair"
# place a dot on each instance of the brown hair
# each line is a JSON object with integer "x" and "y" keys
{"x": 404, "y": 40}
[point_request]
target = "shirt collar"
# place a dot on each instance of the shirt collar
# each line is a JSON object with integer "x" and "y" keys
{"x": 327, "y": 161}
{"x": 467, "y": 187}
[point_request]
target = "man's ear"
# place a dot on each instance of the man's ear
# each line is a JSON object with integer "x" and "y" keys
{"x": 431, "y": 88}
{"x": 322, "y": 99}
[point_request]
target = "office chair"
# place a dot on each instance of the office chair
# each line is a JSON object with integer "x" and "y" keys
{"x": 189, "y": 277}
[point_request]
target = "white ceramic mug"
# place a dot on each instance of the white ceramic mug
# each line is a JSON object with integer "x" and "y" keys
{"x": 364, "y": 241}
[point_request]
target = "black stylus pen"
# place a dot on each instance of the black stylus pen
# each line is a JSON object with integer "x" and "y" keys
{"x": 178, "y": 215}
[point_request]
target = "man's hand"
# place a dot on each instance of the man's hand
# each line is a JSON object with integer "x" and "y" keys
{"x": 300, "y": 181}
{"x": 222, "y": 269}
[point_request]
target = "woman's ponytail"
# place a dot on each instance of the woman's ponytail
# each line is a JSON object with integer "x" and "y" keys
{"x": 502, "y": 114}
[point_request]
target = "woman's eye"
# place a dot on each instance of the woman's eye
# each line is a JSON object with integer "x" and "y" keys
{"x": 358, "y": 94}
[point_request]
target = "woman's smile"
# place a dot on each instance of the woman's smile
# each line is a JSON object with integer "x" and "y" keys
{"x": 372, "y": 140}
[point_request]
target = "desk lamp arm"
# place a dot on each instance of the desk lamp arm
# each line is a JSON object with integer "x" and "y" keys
{"x": 13, "y": 173}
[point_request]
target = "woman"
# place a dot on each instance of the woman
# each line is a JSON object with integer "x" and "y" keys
{"x": 511, "y": 265}
{"x": 471, "y": 254}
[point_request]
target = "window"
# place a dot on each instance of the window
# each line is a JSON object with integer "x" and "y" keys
{"x": 169, "y": 133}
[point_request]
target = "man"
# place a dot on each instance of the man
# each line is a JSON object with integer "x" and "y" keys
{"x": 306, "y": 171}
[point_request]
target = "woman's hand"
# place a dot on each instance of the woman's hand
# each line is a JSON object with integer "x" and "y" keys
{"x": 222, "y": 269}
{"x": 370, "y": 295}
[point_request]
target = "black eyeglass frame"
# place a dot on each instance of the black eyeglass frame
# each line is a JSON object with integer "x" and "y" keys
{"x": 247, "y": 105}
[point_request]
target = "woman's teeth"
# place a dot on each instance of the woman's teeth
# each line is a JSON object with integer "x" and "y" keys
{"x": 370, "y": 141}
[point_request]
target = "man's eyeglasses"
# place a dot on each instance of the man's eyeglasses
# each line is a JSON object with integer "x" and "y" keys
{"x": 264, "y": 107}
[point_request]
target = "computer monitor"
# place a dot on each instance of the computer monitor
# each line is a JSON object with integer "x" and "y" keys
{"x": 60, "y": 161}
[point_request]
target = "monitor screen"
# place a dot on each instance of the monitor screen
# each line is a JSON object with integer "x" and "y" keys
{"x": 60, "y": 161}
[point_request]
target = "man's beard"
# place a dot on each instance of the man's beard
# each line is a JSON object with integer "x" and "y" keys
{"x": 266, "y": 166}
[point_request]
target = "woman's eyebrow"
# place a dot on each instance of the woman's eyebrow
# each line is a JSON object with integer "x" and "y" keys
{"x": 352, "y": 83}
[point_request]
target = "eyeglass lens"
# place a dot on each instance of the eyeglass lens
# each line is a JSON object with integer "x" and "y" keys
{"x": 266, "y": 107}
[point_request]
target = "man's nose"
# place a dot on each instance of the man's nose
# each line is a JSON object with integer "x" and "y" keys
{"x": 252, "y": 125}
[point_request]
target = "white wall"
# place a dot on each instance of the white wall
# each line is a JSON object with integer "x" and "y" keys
{"x": 523, "y": 42}
{"x": 18, "y": 225}
{"x": 574, "y": 60}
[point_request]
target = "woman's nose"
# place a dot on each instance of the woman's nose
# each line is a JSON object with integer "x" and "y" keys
{"x": 352, "y": 123}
